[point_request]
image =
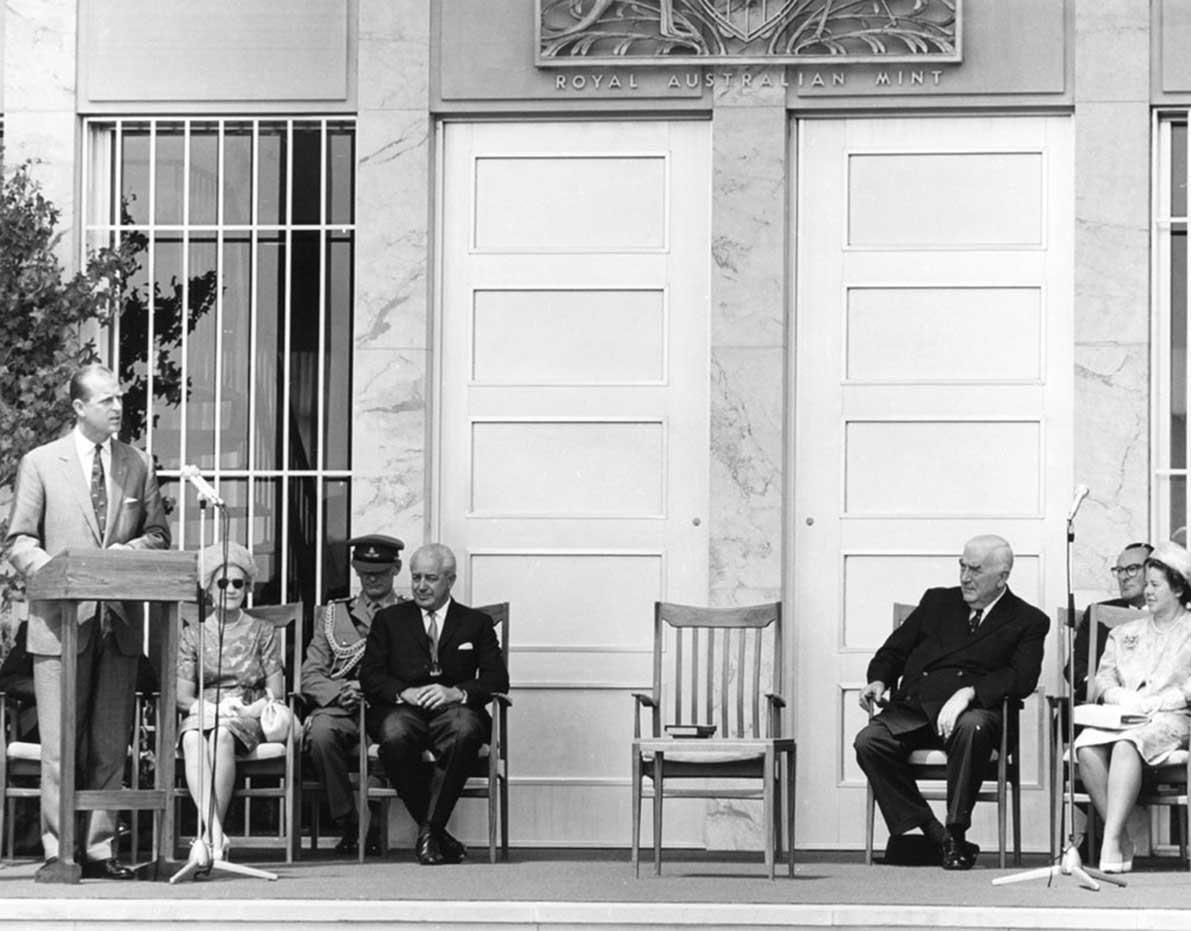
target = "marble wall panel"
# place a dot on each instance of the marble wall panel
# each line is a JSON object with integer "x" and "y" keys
{"x": 390, "y": 451}
{"x": 749, "y": 255}
{"x": 39, "y": 59}
{"x": 394, "y": 56}
{"x": 746, "y": 473}
{"x": 389, "y": 443}
{"x": 392, "y": 221}
{"x": 1112, "y": 300}
{"x": 748, "y": 313}
{"x": 1112, "y": 271}
{"x": 748, "y": 225}
{"x": 39, "y": 86}
{"x": 1112, "y": 456}
{"x": 1112, "y": 41}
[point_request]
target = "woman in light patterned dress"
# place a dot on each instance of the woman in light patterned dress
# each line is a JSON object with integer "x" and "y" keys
{"x": 241, "y": 660}
{"x": 1146, "y": 667}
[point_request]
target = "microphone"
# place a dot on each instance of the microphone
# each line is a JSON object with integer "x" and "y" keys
{"x": 1081, "y": 492}
{"x": 207, "y": 493}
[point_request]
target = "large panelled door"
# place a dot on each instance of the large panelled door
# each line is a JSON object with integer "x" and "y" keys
{"x": 933, "y": 402}
{"x": 573, "y": 476}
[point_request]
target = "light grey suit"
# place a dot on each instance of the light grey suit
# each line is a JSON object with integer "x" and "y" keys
{"x": 51, "y": 511}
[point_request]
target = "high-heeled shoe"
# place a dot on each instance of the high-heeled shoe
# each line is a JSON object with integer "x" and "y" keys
{"x": 221, "y": 851}
{"x": 1123, "y": 865}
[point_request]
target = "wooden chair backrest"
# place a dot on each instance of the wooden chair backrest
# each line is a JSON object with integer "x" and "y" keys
{"x": 1110, "y": 616}
{"x": 281, "y": 617}
{"x": 722, "y": 661}
{"x": 499, "y": 612}
{"x": 901, "y": 611}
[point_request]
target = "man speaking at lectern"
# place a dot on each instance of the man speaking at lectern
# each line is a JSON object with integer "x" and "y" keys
{"x": 86, "y": 490}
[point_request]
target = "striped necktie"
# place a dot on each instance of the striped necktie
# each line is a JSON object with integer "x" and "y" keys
{"x": 974, "y": 620}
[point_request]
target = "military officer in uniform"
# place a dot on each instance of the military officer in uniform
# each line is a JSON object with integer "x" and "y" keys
{"x": 331, "y": 684}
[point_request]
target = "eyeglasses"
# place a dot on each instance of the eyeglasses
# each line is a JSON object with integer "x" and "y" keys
{"x": 237, "y": 584}
{"x": 1127, "y": 572}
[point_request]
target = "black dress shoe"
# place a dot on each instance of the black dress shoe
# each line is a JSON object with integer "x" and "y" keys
{"x": 349, "y": 844}
{"x": 372, "y": 845}
{"x": 428, "y": 851}
{"x": 452, "y": 849}
{"x": 46, "y": 872}
{"x": 107, "y": 869}
{"x": 958, "y": 854}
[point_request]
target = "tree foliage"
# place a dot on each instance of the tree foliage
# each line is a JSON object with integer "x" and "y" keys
{"x": 49, "y": 323}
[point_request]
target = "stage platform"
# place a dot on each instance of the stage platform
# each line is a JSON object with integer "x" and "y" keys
{"x": 571, "y": 891}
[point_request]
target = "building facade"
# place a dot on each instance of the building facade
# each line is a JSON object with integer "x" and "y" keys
{"x": 708, "y": 333}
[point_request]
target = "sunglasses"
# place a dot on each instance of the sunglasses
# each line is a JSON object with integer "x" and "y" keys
{"x": 237, "y": 584}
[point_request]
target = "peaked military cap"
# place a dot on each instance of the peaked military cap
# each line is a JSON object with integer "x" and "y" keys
{"x": 375, "y": 551}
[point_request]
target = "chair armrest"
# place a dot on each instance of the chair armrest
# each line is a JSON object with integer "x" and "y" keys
{"x": 500, "y": 698}
{"x": 775, "y": 700}
{"x": 645, "y": 700}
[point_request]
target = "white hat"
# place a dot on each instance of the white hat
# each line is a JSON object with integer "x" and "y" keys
{"x": 1173, "y": 556}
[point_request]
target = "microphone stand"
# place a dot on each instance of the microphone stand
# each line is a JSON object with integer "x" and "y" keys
{"x": 1069, "y": 862}
{"x": 200, "y": 861}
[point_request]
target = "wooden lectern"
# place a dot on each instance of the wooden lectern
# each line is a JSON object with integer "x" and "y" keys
{"x": 75, "y": 576}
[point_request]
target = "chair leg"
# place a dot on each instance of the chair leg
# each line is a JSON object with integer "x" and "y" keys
{"x": 8, "y": 811}
{"x": 504, "y": 817}
{"x": 767, "y": 814}
{"x": 1001, "y": 819}
{"x": 493, "y": 805}
{"x": 636, "y": 844}
{"x": 1187, "y": 832}
{"x": 1015, "y": 795}
{"x": 1055, "y": 808}
{"x": 658, "y": 797}
{"x": 869, "y": 805}
{"x": 791, "y": 761}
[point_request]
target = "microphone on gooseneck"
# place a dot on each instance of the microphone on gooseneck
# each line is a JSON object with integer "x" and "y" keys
{"x": 201, "y": 486}
{"x": 1081, "y": 492}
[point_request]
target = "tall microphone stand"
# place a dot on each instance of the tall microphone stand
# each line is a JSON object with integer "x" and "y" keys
{"x": 1069, "y": 862}
{"x": 200, "y": 861}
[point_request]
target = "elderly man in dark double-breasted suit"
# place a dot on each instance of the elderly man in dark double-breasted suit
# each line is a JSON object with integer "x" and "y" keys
{"x": 429, "y": 669}
{"x": 331, "y": 681}
{"x": 950, "y": 665}
{"x": 86, "y": 490}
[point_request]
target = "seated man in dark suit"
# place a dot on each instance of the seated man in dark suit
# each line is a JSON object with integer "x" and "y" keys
{"x": 1131, "y": 580}
{"x": 430, "y": 666}
{"x": 949, "y": 665}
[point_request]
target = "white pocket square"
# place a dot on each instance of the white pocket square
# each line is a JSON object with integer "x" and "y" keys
{"x": 466, "y": 646}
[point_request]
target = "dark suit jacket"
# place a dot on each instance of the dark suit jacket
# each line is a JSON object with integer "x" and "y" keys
{"x": 931, "y": 656}
{"x": 398, "y": 655}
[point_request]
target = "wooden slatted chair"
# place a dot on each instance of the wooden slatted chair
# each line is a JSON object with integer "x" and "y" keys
{"x": 20, "y": 770}
{"x": 1002, "y": 779}
{"x": 489, "y": 779}
{"x": 271, "y": 770}
{"x": 730, "y": 661}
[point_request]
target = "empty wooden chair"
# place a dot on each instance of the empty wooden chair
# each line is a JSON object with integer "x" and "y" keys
{"x": 715, "y": 717}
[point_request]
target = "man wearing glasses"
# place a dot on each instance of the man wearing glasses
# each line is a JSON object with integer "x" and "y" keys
{"x": 331, "y": 682}
{"x": 947, "y": 669}
{"x": 1131, "y": 580}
